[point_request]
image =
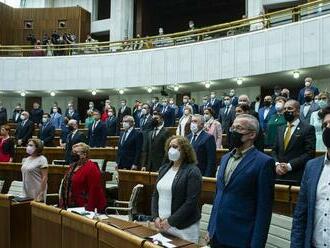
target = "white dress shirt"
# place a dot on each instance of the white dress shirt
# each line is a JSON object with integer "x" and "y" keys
{"x": 307, "y": 106}
{"x": 158, "y": 129}
{"x": 266, "y": 111}
{"x": 321, "y": 234}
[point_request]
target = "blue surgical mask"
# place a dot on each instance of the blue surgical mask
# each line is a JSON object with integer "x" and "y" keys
{"x": 322, "y": 103}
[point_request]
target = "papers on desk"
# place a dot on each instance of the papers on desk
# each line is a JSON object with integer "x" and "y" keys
{"x": 163, "y": 240}
{"x": 89, "y": 214}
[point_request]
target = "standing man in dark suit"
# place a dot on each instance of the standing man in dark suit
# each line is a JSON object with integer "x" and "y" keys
{"x": 137, "y": 114}
{"x": 74, "y": 137}
{"x": 168, "y": 113}
{"x": 16, "y": 117}
{"x": 242, "y": 207}
{"x": 24, "y": 129}
{"x": 47, "y": 131}
{"x": 155, "y": 106}
{"x": 55, "y": 105}
{"x": 205, "y": 105}
{"x": 204, "y": 146}
{"x": 194, "y": 106}
{"x": 294, "y": 145}
{"x": 185, "y": 101}
{"x": 215, "y": 104}
{"x": 234, "y": 98}
{"x": 123, "y": 110}
{"x": 97, "y": 132}
{"x": 111, "y": 124}
{"x": 310, "y": 221}
{"x": 3, "y": 114}
{"x": 36, "y": 113}
{"x": 226, "y": 115}
{"x": 308, "y": 107}
{"x": 308, "y": 86}
{"x": 129, "y": 146}
{"x": 72, "y": 113}
{"x": 146, "y": 123}
{"x": 266, "y": 112}
{"x": 153, "y": 152}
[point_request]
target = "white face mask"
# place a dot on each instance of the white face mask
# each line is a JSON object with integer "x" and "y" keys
{"x": 193, "y": 127}
{"x": 22, "y": 117}
{"x": 173, "y": 154}
{"x": 279, "y": 106}
{"x": 55, "y": 110}
{"x": 30, "y": 150}
{"x": 171, "y": 102}
{"x": 231, "y": 93}
{"x": 91, "y": 106}
{"x": 185, "y": 100}
{"x": 307, "y": 84}
{"x": 227, "y": 102}
{"x": 143, "y": 111}
{"x": 205, "y": 101}
{"x": 126, "y": 125}
{"x": 123, "y": 104}
{"x": 212, "y": 96}
{"x": 44, "y": 120}
{"x": 207, "y": 117}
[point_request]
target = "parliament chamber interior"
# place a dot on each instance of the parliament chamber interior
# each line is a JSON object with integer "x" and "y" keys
{"x": 164, "y": 123}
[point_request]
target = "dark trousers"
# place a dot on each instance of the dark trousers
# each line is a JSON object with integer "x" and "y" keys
{"x": 214, "y": 244}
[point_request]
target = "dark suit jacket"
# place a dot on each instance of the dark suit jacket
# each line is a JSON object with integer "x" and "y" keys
{"x": 226, "y": 120}
{"x": 301, "y": 148}
{"x": 36, "y": 115}
{"x": 112, "y": 126}
{"x": 169, "y": 116}
{"x": 121, "y": 115}
{"x": 314, "y": 107}
{"x": 205, "y": 149}
{"x": 25, "y": 132}
{"x": 74, "y": 116}
{"x": 137, "y": 116}
{"x": 234, "y": 101}
{"x": 202, "y": 107}
{"x": 216, "y": 106}
{"x": 186, "y": 190}
{"x": 97, "y": 137}
{"x": 59, "y": 110}
{"x": 195, "y": 108}
{"x": 3, "y": 116}
{"x": 147, "y": 126}
{"x": 77, "y": 138}
{"x": 153, "y": 154}
{"x": 301, "y": 95}
{"x": 264, "y": 121}
{"x": 242, "y": 209}
{"x": 129, "y": 151}
{"x": 303, "y": 219}
{"x": 47, "y": 134}
{"x": 18, "y": 119}
{"x": 156, "y": 107}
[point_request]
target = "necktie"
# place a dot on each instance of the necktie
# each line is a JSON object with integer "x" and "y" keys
{"x": 124, "y": 137}
{"x": 226, "y": 111}
{"x": 287, "y": 136}
{"x": 154, "y": 134}
{"x": 194, "y": 139}
{"x": 94, "y": 125}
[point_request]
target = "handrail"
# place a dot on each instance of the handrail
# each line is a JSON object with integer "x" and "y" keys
{"x": 170, "y": 39}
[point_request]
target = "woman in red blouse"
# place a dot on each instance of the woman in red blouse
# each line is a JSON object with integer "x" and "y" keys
{"x": 82, "y": 185}
{"x": 7, "y": 145}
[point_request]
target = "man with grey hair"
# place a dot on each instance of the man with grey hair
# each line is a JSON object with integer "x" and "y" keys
{"x": 74, "y": 137}
{"x": 308, "y": 107}
{"x": 244, "y": 99}
{"x": 204, "y": 146}
{"x": 244, "y": 194}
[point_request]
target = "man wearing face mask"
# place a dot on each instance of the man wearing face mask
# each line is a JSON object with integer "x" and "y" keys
{"x": 74, "y": 137}
{"x": 294, "y": 145}
{"x": 16, "y": 117}
{"x": 97, "y": 132}
{"x": 227, "y": 114}
{"x": 129, "y": 146}
{"x": 205, "y": 105}
{"x": 153, "y": 154}
{"x": 215, "y": 104}
{"x": 308, "y": 107}
{"x": 111, "y": 124}
{"x": 204, "y": 146}
{"x": 155, "y": 106}
{"x": 168, "y": 113}
{"x": 71, "y": 113}
{"x": 173, "y": 106}
{"x": 24, "y": 129}
{"x": 266, "y": 112}
{"x": 47, "y": 131}
{"x": 55, "y": 105}
{"x": 185, "y": 102}
{"x": 234, "y": 99}
{"x": 145, "y": 118}
{"x": 56, "y": 118}
{"x": 242, "y": 207}
{"x": 308, "y": 86}
{"x": 310, "y": 221}
{"x": 3, "y": 114}
{"x": 123, "y": 110}
{"x": 244, "y": 99}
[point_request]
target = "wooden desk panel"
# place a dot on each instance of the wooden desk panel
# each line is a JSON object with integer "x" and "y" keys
{"x": 46, "y": 230}
{"x": 4, "y": 221}
{"x": 78, "y": 231}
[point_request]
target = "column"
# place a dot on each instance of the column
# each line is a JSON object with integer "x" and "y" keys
{"x": 121, "y": 19}
{"x": 253, "y": 7}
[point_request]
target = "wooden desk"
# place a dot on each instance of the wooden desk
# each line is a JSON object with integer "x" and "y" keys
{"x": 78, "y": 231}
{"x": 46, "y": 230}
{"x": 15, "y": 223}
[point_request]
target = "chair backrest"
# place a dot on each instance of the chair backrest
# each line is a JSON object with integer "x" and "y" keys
{"x": 99, "y": 162}
{"x": 16, "y": 188}
{"x": 2, "y": 182}
{"x": 134, "y": 197}
{"x": 204, "y": 222}
{"x": 279, "y": 235}
{"x": 111, "y": 167}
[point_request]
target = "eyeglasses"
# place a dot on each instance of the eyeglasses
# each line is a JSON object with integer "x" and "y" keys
{"x": 173, "y": 146}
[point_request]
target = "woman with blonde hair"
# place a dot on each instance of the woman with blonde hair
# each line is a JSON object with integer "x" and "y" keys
{"x": 35, "y": 171}
{"x": 183, "y": 128}
{"x": 175, "y": 206}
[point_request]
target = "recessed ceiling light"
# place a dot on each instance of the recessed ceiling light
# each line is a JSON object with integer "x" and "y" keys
{"x": 239, "y": 81}
{"x": 121, "y": 91}
{"x": 23, "y": 93}
{"x": 149, "y": 89}
{"x": 52, "y": 93}
{"x": 296, "y": 74}
{"x": 207, "y": 84}
{"x": 93, "y": 92}
{"x": 176, "y": 87}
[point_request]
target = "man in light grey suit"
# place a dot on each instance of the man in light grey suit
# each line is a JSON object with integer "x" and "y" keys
{"x": 308, "y": 107}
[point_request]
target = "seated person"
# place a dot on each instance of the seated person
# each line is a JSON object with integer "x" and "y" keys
{"x": 82, "y": 184}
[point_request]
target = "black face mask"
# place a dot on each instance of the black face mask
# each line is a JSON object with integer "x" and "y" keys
{"x": 70, "y": 128}
{"x": 308, "y": 98}
{"x": 326, "y": 137}
{"x": 75, "y": 157}
{"x": 288, "y": 116}
{"x": 267, "y": 103}
{"x": 236, "y": 139}
{"x": 155, "y": 122}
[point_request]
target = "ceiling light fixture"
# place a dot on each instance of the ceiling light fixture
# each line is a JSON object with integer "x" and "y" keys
{"x": 239, "y": 81}
{"x": 149, "y": 89}
{"x": 93, "y": 92}
{"x": 176, "y": 87}
{"x": 52, "y": 93}
{"x": 121, "y": 91}
{"x": 296, "y": 74}
{"x": 23, "y": 93}
{"x": 207, "y": 84}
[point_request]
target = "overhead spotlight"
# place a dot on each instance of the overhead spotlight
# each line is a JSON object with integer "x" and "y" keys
{"x": 207, "y": 84}
{"x": 52, "y": 93}
{"x": 149, "y": 90}
{"x": 239, "y": 81}
{"x": 176, "y": 87}
{"x": 93, "y": 92}
{"x": 23, "y": 93}
{"x": 296, "y": 74}
{"x": 121, "y": 91}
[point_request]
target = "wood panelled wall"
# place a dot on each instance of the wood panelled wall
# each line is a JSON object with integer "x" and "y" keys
{"x": 45, "y": 20}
